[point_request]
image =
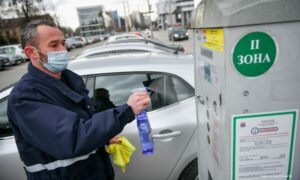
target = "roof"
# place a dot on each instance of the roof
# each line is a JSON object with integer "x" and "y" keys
{"x": 183, "y": 65}
{"x": 130, "y": 47}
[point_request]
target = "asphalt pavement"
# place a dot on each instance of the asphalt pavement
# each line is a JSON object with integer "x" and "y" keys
{"x": 14, "y": 73}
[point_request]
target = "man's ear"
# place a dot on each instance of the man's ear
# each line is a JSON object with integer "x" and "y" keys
{"x": 31, "y": 52}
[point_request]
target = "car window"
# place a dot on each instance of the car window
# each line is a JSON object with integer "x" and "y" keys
{"x": 84, "y": 79}
{"x": 167, "y": 89}
{"x": 180, "y": 30}
{"x": 8, "y": 50}
{"x": 2, "y": 51}
{"x": 90, "y": 85}
{"x": 5, "y": 129}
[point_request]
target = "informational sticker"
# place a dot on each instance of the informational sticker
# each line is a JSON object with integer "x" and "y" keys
{"x": 263, "y": 145}
{"x": 213, "y": 39}
{"x": 254, "y": 54}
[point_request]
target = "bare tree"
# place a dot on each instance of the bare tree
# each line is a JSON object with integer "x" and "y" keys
{"x": 22, "y": 8}
{"x": 27, "y": 8}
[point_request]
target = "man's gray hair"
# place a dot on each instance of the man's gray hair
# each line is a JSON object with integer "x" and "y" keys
{"x": 29, "y": 32}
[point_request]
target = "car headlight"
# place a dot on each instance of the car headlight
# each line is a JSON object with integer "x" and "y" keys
{"x": 186, "y": 34}
{"x": 175, "y": 35}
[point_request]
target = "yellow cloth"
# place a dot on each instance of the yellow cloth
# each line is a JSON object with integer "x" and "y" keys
{"x": 121, "y": 152}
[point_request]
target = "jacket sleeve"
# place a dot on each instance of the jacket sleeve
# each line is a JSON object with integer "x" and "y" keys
{"x": 61, "y": 133}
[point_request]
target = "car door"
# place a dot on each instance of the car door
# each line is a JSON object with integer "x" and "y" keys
{"x": 10, "y": 163}
{"x": 169, "y": 114}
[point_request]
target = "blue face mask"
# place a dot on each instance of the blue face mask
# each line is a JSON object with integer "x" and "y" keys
{"x": 57, "y": 61}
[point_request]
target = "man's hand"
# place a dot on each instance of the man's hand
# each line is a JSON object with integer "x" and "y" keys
{"x": 138, "y": 101}
{"x": 115, "y": 140}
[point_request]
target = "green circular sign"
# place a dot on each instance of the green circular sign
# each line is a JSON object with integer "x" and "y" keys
{"x": 254, "y": 54}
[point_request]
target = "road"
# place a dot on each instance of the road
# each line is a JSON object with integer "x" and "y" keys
{"x": 14, "y": 73}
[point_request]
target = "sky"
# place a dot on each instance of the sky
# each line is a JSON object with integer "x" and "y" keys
{"x": 66, "y": 9}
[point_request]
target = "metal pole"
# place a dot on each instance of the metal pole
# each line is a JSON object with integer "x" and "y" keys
{"x": 129, "y": 17}
{"x": 170, "y": 14}
{"x": 149, "y": 13}
{"x": 171, "y": 21}
{"x": 125, "y": 17}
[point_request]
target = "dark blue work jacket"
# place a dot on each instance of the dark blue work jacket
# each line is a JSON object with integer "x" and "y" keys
{"x": 56, "y": 130}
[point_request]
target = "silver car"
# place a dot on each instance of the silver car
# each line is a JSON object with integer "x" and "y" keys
{"x": 14, "y": 52}
{"x": 171, "y": 113}
{"x": 122, "y": 48}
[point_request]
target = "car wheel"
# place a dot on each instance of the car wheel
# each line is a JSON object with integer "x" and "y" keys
{"x": 190, "y": 172}
{"x": 2, "y": 67}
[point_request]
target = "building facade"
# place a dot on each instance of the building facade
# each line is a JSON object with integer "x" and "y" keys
{"x": 91, "y": 20}
{"x": 138, "y": 20}
{"x": 116, "y": 20}
{"x": 171, "y": 12}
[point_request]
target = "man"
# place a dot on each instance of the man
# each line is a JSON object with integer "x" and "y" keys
{"x": 57, "y": 133}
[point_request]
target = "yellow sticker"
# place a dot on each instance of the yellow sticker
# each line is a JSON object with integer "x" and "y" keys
{"x": 213, "y": 39}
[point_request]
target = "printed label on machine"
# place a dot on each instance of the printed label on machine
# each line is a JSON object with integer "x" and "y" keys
{"x": 254, "y": 54}
{"x": 263, "y": 145}
{"x": 213, "y": 39}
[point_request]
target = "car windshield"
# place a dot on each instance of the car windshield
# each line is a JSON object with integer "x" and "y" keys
{"x": 179, "y": 30}
{"x": 7, "y": 50}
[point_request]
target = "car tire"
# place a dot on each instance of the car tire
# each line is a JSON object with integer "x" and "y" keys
{"x": 190, "y": 172}
{"x": 2, "y": 67}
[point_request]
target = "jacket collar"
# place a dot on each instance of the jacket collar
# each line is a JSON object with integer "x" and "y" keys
{"x": 74, "y": 80}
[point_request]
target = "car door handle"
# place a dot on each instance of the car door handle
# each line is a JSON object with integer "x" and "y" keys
{"x": 166, "y": 134}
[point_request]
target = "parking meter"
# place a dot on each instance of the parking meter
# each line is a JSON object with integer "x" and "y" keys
{"x": 247, "y": 79}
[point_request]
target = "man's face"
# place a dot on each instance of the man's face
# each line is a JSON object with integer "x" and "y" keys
{"x": 49, "y": 39}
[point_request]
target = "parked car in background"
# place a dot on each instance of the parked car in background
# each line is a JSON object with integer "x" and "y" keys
{"x": 15, "y": 53}
{"x": 122, "y": 37}
{"x": 122, "y": 48}
{"x": 147, "y": 33}
{"x": 137, "y": 33}
{"x": 80, "y": 39}
{"x": 4, "y": 62}
{"x": 178, "y": 33}
{"x": 103, "y": 37}
{"x": 72, "y": 43}
{"x": 172, "y": 113}
{"x": 90, "y": 40}
{"x": 174, "y": 48}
